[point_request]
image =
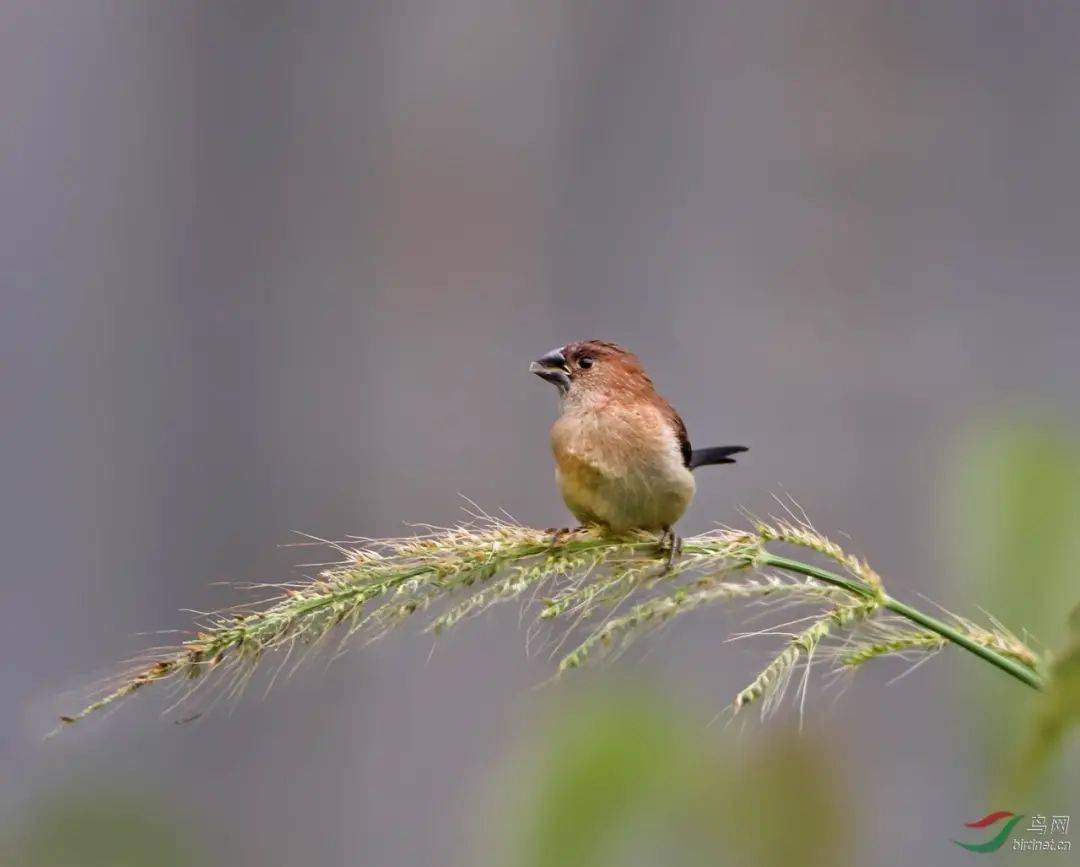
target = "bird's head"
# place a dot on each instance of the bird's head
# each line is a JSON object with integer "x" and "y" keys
{"x": 592, "y": 369}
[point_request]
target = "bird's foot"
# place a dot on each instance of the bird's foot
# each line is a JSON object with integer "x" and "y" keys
{"x": 558, "y": 534}
{"x": 672, "y": 541}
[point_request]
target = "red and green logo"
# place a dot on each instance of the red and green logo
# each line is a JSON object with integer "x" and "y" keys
{"x": 989, "y": 821}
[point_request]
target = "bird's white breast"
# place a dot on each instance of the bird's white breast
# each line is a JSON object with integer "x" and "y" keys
{"x": 621, "y": 466}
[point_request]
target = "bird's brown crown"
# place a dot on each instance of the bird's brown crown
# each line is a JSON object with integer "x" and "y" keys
{"x": 600, "y": 365}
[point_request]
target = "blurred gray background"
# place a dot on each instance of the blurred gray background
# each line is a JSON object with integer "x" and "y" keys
{"x": 273, "y": 266}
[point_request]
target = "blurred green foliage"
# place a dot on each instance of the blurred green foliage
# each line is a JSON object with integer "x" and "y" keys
{"x": 1015, "y": 512}
{"x": 620, "y": 778}
{"x": 97, "y": 828}
{"x": 1058, "y": 713}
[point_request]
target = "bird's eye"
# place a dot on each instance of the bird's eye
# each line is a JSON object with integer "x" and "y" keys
{"x": 585, "y": 363}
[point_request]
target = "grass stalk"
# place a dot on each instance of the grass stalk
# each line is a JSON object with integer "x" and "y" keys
{"x": 1024, "y": 673}
{"x": 609, "y": 589}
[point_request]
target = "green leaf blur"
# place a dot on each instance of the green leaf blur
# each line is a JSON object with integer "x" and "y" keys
{"x": 621, "y": 778}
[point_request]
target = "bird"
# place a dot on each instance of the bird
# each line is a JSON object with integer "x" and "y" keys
{"x": 623, "y": 459}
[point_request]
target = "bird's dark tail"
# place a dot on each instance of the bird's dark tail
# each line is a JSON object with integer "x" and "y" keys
{"x": 716, "y": 455}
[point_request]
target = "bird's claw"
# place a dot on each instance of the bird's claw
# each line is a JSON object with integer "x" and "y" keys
{"x": 674, "y": 544}
{"x": 559, "y": 533}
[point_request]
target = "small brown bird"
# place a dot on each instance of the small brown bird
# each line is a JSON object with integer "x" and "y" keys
{"x": 623, "y": 460}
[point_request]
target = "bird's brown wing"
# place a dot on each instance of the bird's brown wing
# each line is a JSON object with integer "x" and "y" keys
{"x": 679, "y": 426}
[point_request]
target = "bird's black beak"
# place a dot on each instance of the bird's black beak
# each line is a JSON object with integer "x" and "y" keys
{"x": 553, "y": 368}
